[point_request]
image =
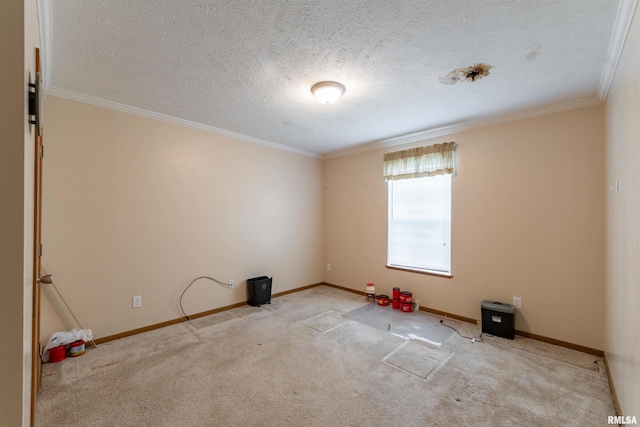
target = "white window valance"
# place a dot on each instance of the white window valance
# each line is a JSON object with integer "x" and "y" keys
{"x": 419, "y": 162}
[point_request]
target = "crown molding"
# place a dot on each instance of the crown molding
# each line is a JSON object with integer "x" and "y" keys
{"x": 74, "y": 96}
{"x": 465, "y": 126}
{"x": 624, "y": 16}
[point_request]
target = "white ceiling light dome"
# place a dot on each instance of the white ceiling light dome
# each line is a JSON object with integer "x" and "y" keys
{"x": 327, "y": 92}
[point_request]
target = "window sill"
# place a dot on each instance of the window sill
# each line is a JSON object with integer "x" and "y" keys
{"x": 420, "y": 271}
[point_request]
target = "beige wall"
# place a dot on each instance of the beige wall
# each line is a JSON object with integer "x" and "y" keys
{"x": 19, "y": 36}
{"x": 134, "y": 206}
{"x": 623, "y": 225}
{"x": 527, "y": 221}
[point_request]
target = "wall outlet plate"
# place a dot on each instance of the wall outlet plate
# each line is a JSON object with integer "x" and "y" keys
{"x": 136, "y": 301}
{"x": 517, "y": 302}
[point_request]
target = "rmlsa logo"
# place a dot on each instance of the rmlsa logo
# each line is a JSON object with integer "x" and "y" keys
{"x": 622, "y": 420}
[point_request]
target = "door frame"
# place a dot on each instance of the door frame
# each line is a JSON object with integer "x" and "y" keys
{"x": 36, "y": 361}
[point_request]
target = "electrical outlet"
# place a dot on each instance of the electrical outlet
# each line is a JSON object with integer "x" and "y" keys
{"x": 231, "y": 284}
{"x": 328, "y": 267}
{"x": 517, "y": 302}
{"x": 137, "y": 301}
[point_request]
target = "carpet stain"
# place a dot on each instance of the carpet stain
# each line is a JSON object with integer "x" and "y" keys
{"x": 110, "y": 364}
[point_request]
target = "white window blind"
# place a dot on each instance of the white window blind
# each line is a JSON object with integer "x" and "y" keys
{"x": 420, "y": 223}
{"x": 419, "y": 226}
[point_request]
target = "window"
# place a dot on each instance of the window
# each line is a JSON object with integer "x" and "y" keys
{"x": 419, "y": 227}
{"x": 420, "y": 224}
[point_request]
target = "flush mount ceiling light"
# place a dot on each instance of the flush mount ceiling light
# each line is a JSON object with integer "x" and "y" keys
{"x": 327, "y": 92}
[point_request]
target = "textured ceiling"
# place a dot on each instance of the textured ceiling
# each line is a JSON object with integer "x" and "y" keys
{"x": 246, "y": 67}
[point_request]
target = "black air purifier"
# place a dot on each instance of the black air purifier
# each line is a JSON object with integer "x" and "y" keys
{"x": 498, "y": 319}
{"x": 259, "y": 290}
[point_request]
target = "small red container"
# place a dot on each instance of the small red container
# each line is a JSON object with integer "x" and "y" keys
{"x": 57, "y": 354}
{"x": 383, "y": 299}
{"x": 76, "y": 348}
{"x": 406, "y": 307}
{"x": 396, "y": 303}
{"x": 405, "y": 296}
{"x": 396, "y": 293}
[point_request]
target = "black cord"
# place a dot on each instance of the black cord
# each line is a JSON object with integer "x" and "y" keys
{"x": 192, "y": 282}
{"x": 469, "y": 338}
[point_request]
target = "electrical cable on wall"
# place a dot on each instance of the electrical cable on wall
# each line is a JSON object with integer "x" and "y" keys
{"x": 226, "y": 285}
{"x": 479, "y": 339}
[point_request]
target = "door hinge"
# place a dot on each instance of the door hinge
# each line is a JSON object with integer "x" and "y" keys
{"x": 42, "y": 151}
{"x": 40, "y": 250}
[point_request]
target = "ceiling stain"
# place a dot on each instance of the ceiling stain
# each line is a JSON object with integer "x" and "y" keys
{"x": 532, "y": 55}
{"x": 469, "y": 74}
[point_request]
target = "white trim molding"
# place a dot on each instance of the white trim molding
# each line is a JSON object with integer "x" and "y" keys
{"x": 626, "y": 9}
{"x": 465, "y": 126}
{"x": 74, "y": 96}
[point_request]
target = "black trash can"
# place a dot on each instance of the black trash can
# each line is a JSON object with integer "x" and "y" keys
{"x": 498, "y": 319}
{"x": 259, "y": 290}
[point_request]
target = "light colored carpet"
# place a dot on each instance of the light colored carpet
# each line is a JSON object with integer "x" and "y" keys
{"x": 326, "y": 321}
{"x": 301, "y": 362}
